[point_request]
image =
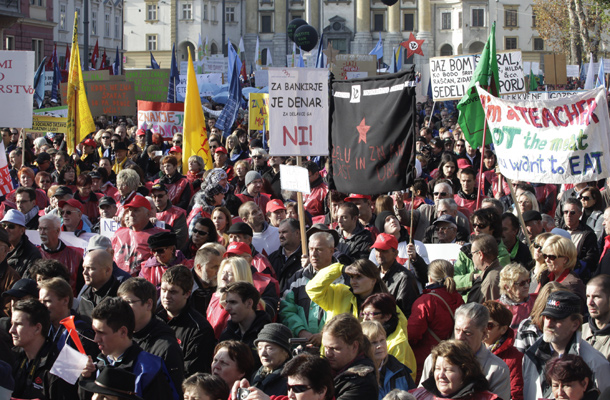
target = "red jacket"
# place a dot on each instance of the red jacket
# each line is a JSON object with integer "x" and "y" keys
{"x": 314, "y": 202}
{"x": 170, "y": 215}
{"x": 469, "y": 205}
{"x": 71, "y": 257}
{"x": 261, "y": 200}
{"x": 429, "y": 312}
{"x": 513, "y": 358}
{"x": 131, "y": 248}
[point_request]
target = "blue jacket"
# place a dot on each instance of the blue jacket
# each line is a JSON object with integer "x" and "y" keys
{"x": 394, "y": 375}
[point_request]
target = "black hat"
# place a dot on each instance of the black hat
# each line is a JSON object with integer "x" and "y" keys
{"x": 256, "y": 143}
{"x": 120, "y": 146}
{"x": 380, "y": 220}
{"x": 162, "y": 239}
{"x": 315, "y": 228}
{"x": 241, "y": 227}
{"x": 21, "y": 288}
{"x": 62, "y": 191}
{"x": 95, "y": 175}
{"x": 421, "y": 139}
{"x": 532, "y": 215}
{"x": 4, "y": 236}
{"x": 114, "y": 382}
{"x": 445, "y": 218}
{"x": 562, "y": 304}
{"x": 107, "y": 201}
{"x": 275, "y": 333}
{"x": 42, "y": 157}
{"x": 159, "y": 186}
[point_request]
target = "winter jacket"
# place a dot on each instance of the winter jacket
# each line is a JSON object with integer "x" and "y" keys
{"x": 358, "y": 245}
{"x": 467, "y": 201}
{"x": 425, "y": 215}
{"x": 338, "y": 299}
{"x": 201, "y": 296}
{"x": 272, "y": 384}
{"x": 261, "y": 200}
{"x": 285, "y": 267}
{"x": 429, "y": 392}
{"x": 536, "y": 357}
{"x": 527, "y": 334}
{"x": 569, "y": 280}
{"x": 495, "y": 370}
{"x": 90, "y": 297}
{"x": 179, "y": 190}
{"x": 464, "y": 267}
{"x": 176, "y": 218}
{"x": 195, "y": 337}
{"x": 71, "y": 257}
{"x": 520, "y": 310}
{"x": 23, "y": 255}
{"x": 357, "y": 381}
{"x": 402, "y": 284}
{"x": 261, "y": 264}
{"x": 159, "y": 339}
{"x": 585, "y": 240}
{"x": 90, "y": 204}
{"x": 546, "y": 194}
{"x": 487, "y": 286}
{"x": 131, "y": 248}
{"x": 267, "y": 241}
{"x": 394, "y": 375}
{"x": 513, "y": 358}
{"x": 314, "y": 201}
{"x": 233, "y": 332}
{"x": 598, "y": 338}
{"x": 430, "y": 313}
{"x": 153, "y": 270}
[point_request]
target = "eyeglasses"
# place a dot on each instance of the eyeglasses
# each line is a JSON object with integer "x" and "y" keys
{"x": 298, "y": 388}
{"x": 551, "y": 257}
{"x": 202, "y": 233}
{"x": 105, "y": 137}
{"x": 444, "y": 228}
{"x": 440, "y": 194}
{"x": 66, "y": 212}
{"x": 480, "y": 226}
{"x": 9, "y": 226}
{"x": 571, "y": 212}
{"x": 537, "y": 246}
{"x": 370, "y": 314}
{"x": 475, "y": 252}
{"x": 524, "y": 283}
{"x": 176, "y": 142}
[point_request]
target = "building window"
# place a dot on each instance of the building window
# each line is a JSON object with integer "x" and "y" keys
{"x": 510, "y": 43}
{"x": 151, "y": 12}
{"x": 408, "y": 21}
{"x": 151, "y": 42}
{"x": 339, "y": 44}
{"x": 107, "y": 25}
{"x": 446, "y": 50}
{"x": 117, "y": 26}
{"x": 459, "y": 20}
{"x": 510, "y": 18}
{"x": 39, "y": 3}
{"x": 62, "y": 17}
{"x": 538, "y": 44}
{"x": 214, "y": 13}
{"x": 187, "y": 11}
{"x": 378, "y": 20}
{"x": 478, "y": 17}
{"x": 9, "y": 43}
{"x": 205, "y": 12}
{"x": 38, "y": 49}
{"x": 533, "y": 18}
{"x": 266, "y": 24}
{"x": 229, "y": 14}
{"x": 295, "y": 16}
{"x": 445, "y": 20}
{"x": 94, "y": 23}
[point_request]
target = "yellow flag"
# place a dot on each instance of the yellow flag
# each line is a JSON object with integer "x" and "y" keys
{"x": 80, "y": 121}
{"x": 195, "y": 137}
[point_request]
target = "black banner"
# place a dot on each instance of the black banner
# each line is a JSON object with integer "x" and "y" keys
{"x": 372, "y": 134}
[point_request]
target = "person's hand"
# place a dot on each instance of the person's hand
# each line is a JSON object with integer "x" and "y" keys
{"x": 153, "y": 220}
{"x": 411, "y": 252}
{"x": 257, "y": 394}
{"x": 89, "y": 368}
{"x": 304, "y": 260}
{"x": 315, "y": 340}
{"x": 305, "y": 334}
{"x": 239, "y": 384}
{"x": 399, "y": 199}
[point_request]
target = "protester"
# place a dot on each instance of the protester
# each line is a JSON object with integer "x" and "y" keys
{"x": 232, "y": 361}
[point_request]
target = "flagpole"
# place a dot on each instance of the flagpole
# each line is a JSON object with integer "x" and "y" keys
{"x": 301, "y": 213}
{"x": 519, "y": 215}
{"x": 481, "y": 178}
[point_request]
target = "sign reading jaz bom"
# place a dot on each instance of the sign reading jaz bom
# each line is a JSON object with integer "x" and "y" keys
{"x": 298, "y": 112}
{"x": 554, "y": 141}
{"x": 450, "y": 76}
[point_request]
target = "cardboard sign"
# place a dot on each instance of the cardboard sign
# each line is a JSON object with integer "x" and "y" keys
{"x": 113, "y": 98}
{"x": 552, "y": 141}
{"x": 572, "y": 71}
{"x": 69, "y": 238}
{"x": 354, "y": 63}
{"x": 258, "y": 111}
{"x": 149, "y": 84}
{"x": 101, "y": 75}
{"x": 45, "y": 124}
{"x": 298, "y": 112}
{"x": 16, "y": 82}
{"x": 555, "y": 69}
{"x": 163, "y": 118}
{"x": 450, "y": 76}
{"x": 295, "y": 178}
{"x": 202, "y": 80}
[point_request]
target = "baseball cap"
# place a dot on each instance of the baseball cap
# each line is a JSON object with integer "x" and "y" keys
{"x": 22, "y": 288}
{"x": 137, "y": 202}
{"x": 355, "y": 196}
{"x": 385, "y": 241}
{"x": 90, "y": 142}
{"x": 315, "y": 228}
{"x": 106, "y": 201}
{"x": 445, "y": 218}
{"x": 72, "y": 203}
{"x": 241, "y": 227}
{"x": 42, "y": 157}
{"x": 15, "y": 217}
{"x": 62, "y": 191}
{"x": 532, "y": 215}
{"x": 237, "y": 248}
{"x": 562, "y": 304}
{"x": 221, "y": 150}
{"x": 175, "y": 149}
{"x": 140, "y": 132}
{"x": 275, "y": 205}
{"x": 159, "y": 186}
{"x": 98, "y": 242}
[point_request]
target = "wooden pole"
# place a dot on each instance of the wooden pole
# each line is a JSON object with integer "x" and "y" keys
{"x": 302, "y": 214}
{"x": 519, "y": 215}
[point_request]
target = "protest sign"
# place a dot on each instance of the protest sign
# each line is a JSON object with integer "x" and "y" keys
{"x": 554, "y": 94}
{"x": 101, "y": 75}
{"x": 555, "y": 69}
{"x": 61, "y": 111}
{"x": 163, "y": 118}
{"x": 261, "y": 78}
{"x": 562, "y": 140}
{"x": 44, "y": 124}
{"x": 572, "y": 71}
{"x": 111, "y": 98}
{"x": 258, "y": 111}
{"x": 443, "y": 251}
{"x": 48, "y": 81}
{"x": 450, "y": 76}
{"x": 69, "y": 238}
{"x": 354, "y": 63}
{"x": 16, "y": 90}
{"x": 149, "y": 84}
{"x": 298, "y": 111}
{"x": 108, "y": 226}
{"x": 203, "y": 81}
{"x": 295, "y": 178}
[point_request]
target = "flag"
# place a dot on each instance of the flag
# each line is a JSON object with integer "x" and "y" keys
{"x": 50, "y": 62}
{"x": 95, "y": 55}
{"x": 56, "y": 79}
{"x": 243, "y": 73}
{"x": 153, "y": 62}
{"x": 589, "y": 84}
{"x": 234, "y": 62}
{"x": 378, "y": 49}
{"x": 242, "y": 49}
{"x": 66, "y": 58}
{"x": 533, "y": 81}
{"x": 269, "y": 59}
{"x": 301, "y": 63}
{"x": 430, "y": 97}
{"x": 39, "y": 83}
{"x": 257, "y": 55}
{"x": 104, "y": 63}
{"x": 116, "y": 66}
{"x": 601, "y": 76}
{"x": 6, "y": 183}
{"x": 195, "y": 142}
{"x": 320, "y": 57}
{"x": 174, "y": 78}
{"x": 364, "y": 120}
{"x": 199, "y": 50}
{"x": 206, "y": 48}
{"x": 472, "y": 116}
{"x": 293, "y": 59}
{"x": 80, "y": 121}
{"x": 229, "y": 112}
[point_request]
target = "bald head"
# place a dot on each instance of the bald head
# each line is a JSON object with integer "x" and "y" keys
{"x": 97, "y": 268}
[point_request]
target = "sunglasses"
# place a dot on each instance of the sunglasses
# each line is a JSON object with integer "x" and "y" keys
{"x": 66, "y": 212}
{"x": 9, "y": 226}
{"x": 524, "y": 283}
{"x": 202, "y": 233}
{"x": 440, "y": 194}
{"x": 370, "y": 314}
{"x": 551, "y": 257}
{"x": 480, "y": 226}
{"x": 570, "y": 212}
{"x": 159, "y": 250}
{"x": 537, "y": 246}
{"x": 298, "y": 388}
{"x": 105, "y": 137}
{"x": 585, "y": 198}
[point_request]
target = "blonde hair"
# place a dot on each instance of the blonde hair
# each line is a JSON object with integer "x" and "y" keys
{"x": 442, "y": 271}
{"x": 531, "y": 197}
{"x": 562, "y": 247}
{"x": 240, "y": 268}
{"x": 373, "y": 329}
{"x": 510, "y": 275}
{"x": 539, "y": 240}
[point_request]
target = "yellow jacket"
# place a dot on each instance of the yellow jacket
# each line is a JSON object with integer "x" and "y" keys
{"x": 338, "y": 299}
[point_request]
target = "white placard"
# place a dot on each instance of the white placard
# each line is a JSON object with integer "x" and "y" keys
{"x": 295, "y": 178}
{"x": 108, "y": 226}
{"x": 202, "y": 80}
{"x": 356, "y": 74}
{"x": 261, "y": 78}
{"x": 443, "y": 251}
{"x": 17, "y": 82}
{"x": 48, "y": 81}
{"x": 69, "y": 364}
{"x": 572, "y": 71}
{"x": 67, "y": 237}
{"x": 298, "y": 112}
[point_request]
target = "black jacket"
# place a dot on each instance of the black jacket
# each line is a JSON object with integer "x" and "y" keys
{"x": 91, "y": 298}
{"x": 160, "y": 340}
{"x": 284, "y": 267}
{"x": 195, "y": 337}
{"x": 275, "y": 183}
{"x": 272, "y": 384}
{"x": 523, "y": 256}
{"x": 33, "y": 223}
{"x": 23, "y": 255}
{"x": 201, "y": 296}
{"x": 359, "y": 245}
{"x": 357, "y": 381}
{"x": 402, "y": 284}
{"x": 232, "y": 332}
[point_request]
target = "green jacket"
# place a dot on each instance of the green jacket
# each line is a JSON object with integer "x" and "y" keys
{"x": 464, "y": 267}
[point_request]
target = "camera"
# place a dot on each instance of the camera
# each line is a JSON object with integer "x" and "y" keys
{"x": 242, "y": 393}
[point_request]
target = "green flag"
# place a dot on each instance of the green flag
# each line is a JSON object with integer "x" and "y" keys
{"x": 472, "y": 116}
{"x": 533, "y": 82}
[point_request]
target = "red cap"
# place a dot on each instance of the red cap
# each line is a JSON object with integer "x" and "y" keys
{"x": 137, "y": 202}
{"x": 275, "y": 205}
{"x": 237, "y": 248}
{"x": 463, "y": 163}
{"x": 140, "y": 132}
{"x": 90, "y": 142}
{"x": 354, "y": 196}
{"x": 175, "y": 149}
{"x": 221, "y": 150}
{"x": 385, "y": 241}
{"x": 72, "y": 203}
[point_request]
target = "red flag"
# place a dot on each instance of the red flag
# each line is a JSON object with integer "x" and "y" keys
{"x": 50, "y": 62}
{"x": 95, "y": 55}
{"x": 66, "y": 58}
{"x": 243, "y": 73}
{"x": 104, "y": 60}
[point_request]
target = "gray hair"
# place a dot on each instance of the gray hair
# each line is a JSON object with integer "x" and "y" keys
{"x": 398, "y": 394}
{"x": 450, "y": 203}
{"x": 497, "y": 204}
{"x": 325, "y": 237}
{"x": 477, "y": 313}
{"x": 130, "y": 178}
{"x": 257, "y": 151}
{"x": 446, "y": 186}
{"x": 198, "y": 160}
{"x": 52, "y": 218}
{"x": 207, "y": 251}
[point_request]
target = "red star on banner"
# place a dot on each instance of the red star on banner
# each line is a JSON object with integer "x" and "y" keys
{"x": 362, "y": 130}
{"x": 413, "y": 46}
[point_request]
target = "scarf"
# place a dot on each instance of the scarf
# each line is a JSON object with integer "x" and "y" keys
{"x": 31, "y": 214}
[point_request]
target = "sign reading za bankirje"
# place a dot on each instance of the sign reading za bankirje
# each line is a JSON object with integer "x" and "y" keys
{"x": 450, "y": 76}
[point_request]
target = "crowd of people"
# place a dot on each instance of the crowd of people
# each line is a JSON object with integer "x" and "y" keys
{"x": 195, "y": 285}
